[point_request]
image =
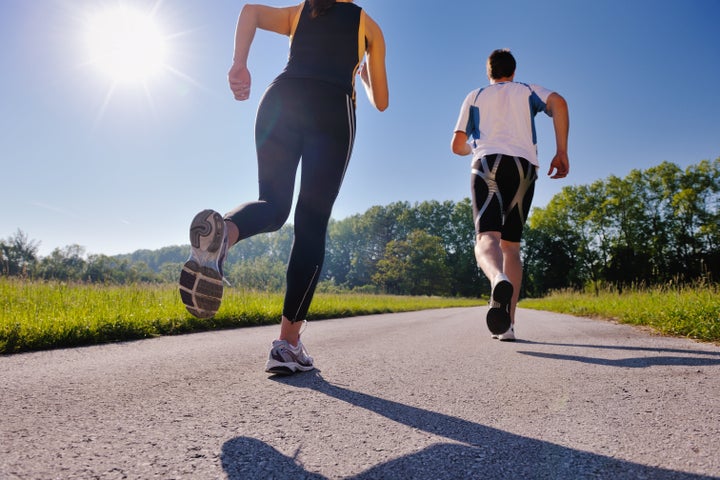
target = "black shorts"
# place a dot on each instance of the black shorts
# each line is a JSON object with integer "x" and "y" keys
{"x": 502, "y": 190}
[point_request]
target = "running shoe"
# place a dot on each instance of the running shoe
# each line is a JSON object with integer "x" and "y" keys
{"x": 498, "y": 316}
{"x": 285, "y": 359}
{"x": 508, "y": 336}
{"x": 201, "y": 279}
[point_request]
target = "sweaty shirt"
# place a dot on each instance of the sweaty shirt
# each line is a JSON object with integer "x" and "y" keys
{"x": 500, "y": 118}
{"x": 329, "y": 47}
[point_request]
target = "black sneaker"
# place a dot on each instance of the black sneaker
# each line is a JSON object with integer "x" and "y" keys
{"x": 498, "y": 316}
{"x": 201, "y": 279}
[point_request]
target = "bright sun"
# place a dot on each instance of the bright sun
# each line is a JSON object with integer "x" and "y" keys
{"x": 126, "y": 44}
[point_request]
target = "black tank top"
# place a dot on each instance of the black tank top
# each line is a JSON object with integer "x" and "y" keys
{"x": 325, "y": 48}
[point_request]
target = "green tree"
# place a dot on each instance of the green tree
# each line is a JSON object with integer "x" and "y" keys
{"x": 550, "y": 249}
{"x": 105, "y": 269}
{"x": 261, "y": 273}
{"x": 696, "y": 206}
{"x": 360, "y": 241}
{"x": 652, "y": 226}
{"x": 658, "y": 185}
{"x": 63, "y": 264}
{"x": 393, "y": 270}
{"x": 414, "y": 266}
{"x": 466, "y": 278}
{"x": 170, "y": 272}
{"x": 18, "y": 255}
{"x": 342, "y": 247}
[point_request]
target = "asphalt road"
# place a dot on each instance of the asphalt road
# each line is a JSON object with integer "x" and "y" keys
{"x": 426, "y": 395}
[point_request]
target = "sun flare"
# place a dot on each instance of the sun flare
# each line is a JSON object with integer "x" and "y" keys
{"x": 126, "y": 44}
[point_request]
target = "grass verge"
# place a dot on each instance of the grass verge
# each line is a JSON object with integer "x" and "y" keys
{"x": 692, "y": 312}
{"x": 45, "y": 315}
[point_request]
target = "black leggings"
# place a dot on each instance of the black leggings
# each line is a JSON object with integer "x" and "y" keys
{"x": 299, "y": 118}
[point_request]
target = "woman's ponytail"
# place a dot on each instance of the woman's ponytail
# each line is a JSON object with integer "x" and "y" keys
{"x": 319, "y": 7}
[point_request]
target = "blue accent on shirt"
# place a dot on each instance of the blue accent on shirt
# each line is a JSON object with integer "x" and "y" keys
{"x": 536, "y": 106}
{"x": 472, "y": 130}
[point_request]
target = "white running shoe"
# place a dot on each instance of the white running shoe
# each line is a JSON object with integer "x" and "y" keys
{"x": 284, "y": 359}
{"x": 201, "y": 279}
{"x": 508, "y": 336}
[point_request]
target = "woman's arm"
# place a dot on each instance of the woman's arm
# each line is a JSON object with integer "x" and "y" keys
{"x": 252, "y": 17}
{"x": 373, "y": 73}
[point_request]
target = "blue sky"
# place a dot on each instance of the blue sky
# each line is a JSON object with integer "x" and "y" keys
{"x": 120, "y": 167}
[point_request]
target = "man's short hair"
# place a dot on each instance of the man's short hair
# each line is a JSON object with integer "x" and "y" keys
{"x": 500, "y": 64}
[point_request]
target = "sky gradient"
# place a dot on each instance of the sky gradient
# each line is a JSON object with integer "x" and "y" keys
{"x": 116, "y": 168}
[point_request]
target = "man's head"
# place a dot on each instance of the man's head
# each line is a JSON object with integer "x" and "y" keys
{"x": 500, "y": 64}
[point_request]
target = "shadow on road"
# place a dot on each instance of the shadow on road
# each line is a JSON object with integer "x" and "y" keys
{"x": 687, "y": 358}
{"x": 483, "y": 452}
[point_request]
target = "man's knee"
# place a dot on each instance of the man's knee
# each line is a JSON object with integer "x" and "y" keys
{"x": 510, "y": 248}
{"x": 487, "y": 237}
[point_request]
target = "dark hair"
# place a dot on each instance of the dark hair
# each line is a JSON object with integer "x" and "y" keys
{"x": 500, "y": 64}
{"x": 318, "y": 7}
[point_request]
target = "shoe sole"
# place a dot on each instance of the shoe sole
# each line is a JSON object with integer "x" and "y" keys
{"x": 498, "y": 316}
{"x": 284, "y": 371}
{"x": 202, "y": 228}
{"x": 278, "y": 368}
{"x": 201, "y": 283}
{"x": 201, "y": 289}
{"x": 503, "y": 338}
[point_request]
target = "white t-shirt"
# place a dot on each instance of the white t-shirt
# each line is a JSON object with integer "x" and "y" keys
{"x": 500, "y": 118}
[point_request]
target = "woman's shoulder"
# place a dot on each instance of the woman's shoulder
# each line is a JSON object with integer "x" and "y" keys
{"x": 372, "y": 29}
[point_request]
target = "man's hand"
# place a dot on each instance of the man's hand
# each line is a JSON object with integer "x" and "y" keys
{"x": 239, "y": 78}
{"x": 560, "y": 164}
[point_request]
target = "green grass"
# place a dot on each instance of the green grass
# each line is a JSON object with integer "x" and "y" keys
{"x": 692, "y": 312}
{"x": 44, "y": 315}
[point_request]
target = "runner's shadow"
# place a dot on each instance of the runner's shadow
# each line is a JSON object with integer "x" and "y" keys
{"x": 245, "y": 458}
{"x": 631, "y": 348}
{"x": 699, "y": 358}
{"x": 483, "y": 452}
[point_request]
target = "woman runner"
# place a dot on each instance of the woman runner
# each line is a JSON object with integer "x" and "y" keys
{"x": 308, "y": 114}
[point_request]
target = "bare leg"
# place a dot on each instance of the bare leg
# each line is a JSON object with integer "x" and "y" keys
{"x": 232, "y": 232}
{"x": 489, "y": 254}
{"x": 512, "y": 265}
{"x": 290, "y": 331}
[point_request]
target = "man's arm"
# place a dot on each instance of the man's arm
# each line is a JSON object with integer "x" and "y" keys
{"x": 459, "y": 145}
{"x": 557, "y": 108}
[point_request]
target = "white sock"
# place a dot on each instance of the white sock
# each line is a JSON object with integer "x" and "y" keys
{"x": 499, "y": 278}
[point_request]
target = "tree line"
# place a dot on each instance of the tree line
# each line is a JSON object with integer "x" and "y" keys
{"x": 650, "y": 227}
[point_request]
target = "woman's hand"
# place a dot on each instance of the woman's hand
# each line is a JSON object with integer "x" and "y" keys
{"x": 239, "y": 78}
{"x": 363, "y": 72}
